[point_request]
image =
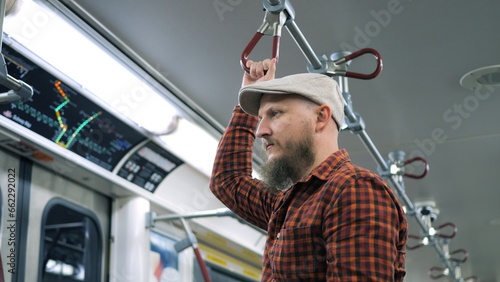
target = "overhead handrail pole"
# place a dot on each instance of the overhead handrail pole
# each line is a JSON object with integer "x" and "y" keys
{"x": 280, "y": 13}
{"x": 18, "y": 90}
{"x": 272, "y": 25}
{"x": 210, "y": 213}
{"x": 304, "y": 46}
{"x": 221, "y": 212}
{"x": 285, "y": 7}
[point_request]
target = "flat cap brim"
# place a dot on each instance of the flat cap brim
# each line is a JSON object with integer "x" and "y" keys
{"x": 318, "y": 88}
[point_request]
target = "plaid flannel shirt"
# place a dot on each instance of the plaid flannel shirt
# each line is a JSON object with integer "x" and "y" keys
{"x": 339, "y": 223}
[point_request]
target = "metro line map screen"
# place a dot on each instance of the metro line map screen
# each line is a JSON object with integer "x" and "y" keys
{"x": 68, "y": 118}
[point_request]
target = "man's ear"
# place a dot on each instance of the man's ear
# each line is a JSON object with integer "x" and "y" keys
{"x": 323, "y": 117}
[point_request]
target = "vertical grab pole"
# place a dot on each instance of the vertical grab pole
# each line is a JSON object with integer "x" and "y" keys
{"x": 2, "y": 279}
{"x": 3, "y": 4}
{"x": 196, "y": 249}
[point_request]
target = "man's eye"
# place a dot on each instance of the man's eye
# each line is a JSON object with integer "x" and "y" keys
{"x": 275, "y": 113}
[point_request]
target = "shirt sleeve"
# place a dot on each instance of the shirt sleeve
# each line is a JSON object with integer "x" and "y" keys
{"x": 363, "y": 233}
{"x": 231, "y": 181}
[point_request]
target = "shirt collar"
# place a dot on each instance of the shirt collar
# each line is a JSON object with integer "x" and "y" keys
{"x": 329, "y": 165}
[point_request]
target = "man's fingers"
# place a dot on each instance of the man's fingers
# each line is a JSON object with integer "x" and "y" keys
{"x": 259, "y": 71}
{"x": 271, "y": 70}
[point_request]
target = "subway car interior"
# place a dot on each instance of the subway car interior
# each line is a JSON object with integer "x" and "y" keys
{"x": 111, "y": 112}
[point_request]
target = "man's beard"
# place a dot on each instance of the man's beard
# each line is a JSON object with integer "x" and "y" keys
{"x": 281, "y": 173}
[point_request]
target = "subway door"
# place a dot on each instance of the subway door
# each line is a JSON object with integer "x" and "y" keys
{"x": 68, "y": 230}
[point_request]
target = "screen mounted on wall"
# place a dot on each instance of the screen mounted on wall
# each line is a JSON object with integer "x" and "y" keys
{"x": 148, "y": 166}
{"x": 65, "y": 116}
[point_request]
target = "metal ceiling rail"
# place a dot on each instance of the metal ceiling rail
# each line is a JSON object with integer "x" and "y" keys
{"x": 280, "y": 13}
{"x": 18, "y": 90}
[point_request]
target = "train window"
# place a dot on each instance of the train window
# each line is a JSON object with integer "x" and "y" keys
{"x": 70, "y": 245}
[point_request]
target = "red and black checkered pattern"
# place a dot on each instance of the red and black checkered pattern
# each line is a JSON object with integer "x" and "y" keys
{"x": 339, "y": 223}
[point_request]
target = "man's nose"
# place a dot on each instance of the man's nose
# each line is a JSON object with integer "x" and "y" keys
{"x": 263, "y": 129}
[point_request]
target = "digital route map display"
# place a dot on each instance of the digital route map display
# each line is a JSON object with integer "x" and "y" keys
{"x": 68, "y": 118}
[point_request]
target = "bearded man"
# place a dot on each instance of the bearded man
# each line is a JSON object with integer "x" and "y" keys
{"x": 326, "y": 218}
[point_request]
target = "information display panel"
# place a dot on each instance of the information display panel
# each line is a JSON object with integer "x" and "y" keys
{"x": 149, "y": 166}
{"x": 65, "y": 116}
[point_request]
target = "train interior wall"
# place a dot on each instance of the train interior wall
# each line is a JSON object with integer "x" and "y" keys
{"x": 48, "y": 208}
